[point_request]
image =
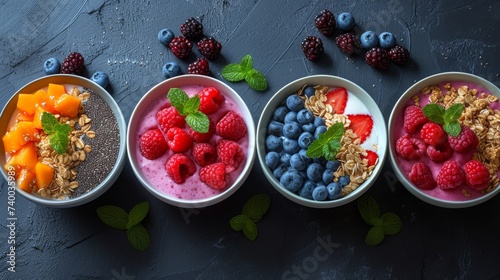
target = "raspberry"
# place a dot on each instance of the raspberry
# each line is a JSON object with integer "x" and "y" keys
{"x": 202, "y": 137}
{"x": 440, "y": 152}
{"x": 410, "y": 148}
{"x": 200, "y": 66}
{"x": 377, "y": 58}
{"x": 432, "y": 134}
{"x": 192, "y": 29}
{"x": 312, "y": 47}
{"x": 214, "y": 175}
{"x": 450, "y": 176}
{"x": 348, "y": 43}
{"x": 179, "y": 167}
{"x": 325, "y": 22}
{"x": 210, "y": 100}
{"x": 477, "y": 175}
{"x": 178, "y": 140}
{"x": 413, "y": 119}
{"x": 231, "y": 126}
{"x": 399, "y": 55}
{"x": 181, "y": 46}
{"x": 209, "y": 47}
{"x": 152, "y": 144}
{"x": 465, "y": 140}
{"x": 169, "y": 117}
{"x": 73, "y": 64}
{"x": 421, "y": 176}
{"x": 204, "y": 154}
{"x": 230, "y": 153}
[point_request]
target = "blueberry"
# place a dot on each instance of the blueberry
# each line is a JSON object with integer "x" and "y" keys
{"x": 291, "y": 180}
{"x": 333, "y": 165}
{"x": 319, "y": 121}
{"x": 386, "y": 40}
{"x": 345, "y": 21}
{"x": 327, "y": 176}
{"x": 320, "y": 193}
{"x": 319, "y": 130}
{"x": 290, "y": 146}
{"x": 321, "y": 160}
{"x": 309, "y": 91}
{"x": 52, "y": 66}
{"x": 273, "y": 143}
{"x": 291, "y": 117}
{"x": 292, "y": 130}
{"x": 100, "y": 78}
{"x": 275, "y": 128}
{"x": 309, "y": 127}
{"x": 307, "y": 189}
{"x": 334, "y": 190}
{"x": 280, "y": 113}
{"x": 272, "y": 159}
{"x": 278, "y": 172}
{"x": 294, "y": 103}
{"x": 305, "y": 116}
{"x": 315, "y": 172}
{"x": 303, "y": 153}
{"x": 171, "y": 69}
{"x": 344, "y": 180}
{"x": 305, "y": 140}
{"x": 285, "y": 159}
{"x": 369, "y": 40}
{"x": 165, "y": 36}
{"x": 298, "y": 162}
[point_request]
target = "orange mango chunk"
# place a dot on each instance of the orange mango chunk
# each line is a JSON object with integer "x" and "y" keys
{"x": 24, "y": 117}
{"x": 44, "y": 175}
{"x": 45, "y": 101}
{"x": 20, "y": 134}
{"x": 67, "y": 105}
{"x": 27, "y": 103}
{"x": 26, "y": 180}
{"x": 25, "y": 158}
{"x": 55, "y": 90}
{"x": 37, "y": 118}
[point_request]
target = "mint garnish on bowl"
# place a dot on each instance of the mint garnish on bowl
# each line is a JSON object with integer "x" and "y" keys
{"x": 447, "y": 117}
{"x": 188, "y": 107}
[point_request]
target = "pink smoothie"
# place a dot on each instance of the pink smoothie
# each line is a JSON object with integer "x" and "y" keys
{"x": 154, "y": 170}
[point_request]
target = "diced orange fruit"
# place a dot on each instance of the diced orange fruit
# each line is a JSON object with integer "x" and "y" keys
{"x": 24, "y": 117}
{"x": 26, "y": 180}
{"x": 55, "y": 90}
{"x": 27, "y": 102}
{"x": 45, "y": 101}
{"x": 67, "y": 105}
{"x": 20, "y": 134}
{"x": 25, "y": 158}
{"x": 44, "y": 175}
{"x": 37, "y": 118}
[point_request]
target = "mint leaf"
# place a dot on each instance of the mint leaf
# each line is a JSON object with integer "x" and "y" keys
{"x": 246, "y": 63}
{"x": 256, "y": 80}
{"x": 138, "y": 237}
{"x": 58, "y": 133}
{"x": 192, "y": 105}
{"x": 233, "y": 72}
{"x": 189, "y": 107}
{"x": 453, "y": 112}
{"x": 447, "y": 117}
{"x": 374, "y": 236}
{"x": 327, "y": 144}
{"x": 368, "y": 208}
{"x": 137, "y": 214}
{"x": 198, "y": 121}
{"x": 238, "y": 222}
{"x": 113, "y": 216}
{"x": 452, "y": 128}
{"x": 250, "y": 230}
{"x": 391, "y": 223}
{"x": 48, "y": 122}
{"x": 256, "y": 207}
{"x": 434, "y": 112}
{"x": 178, "y": 98}
{"x": 376, "y": 222}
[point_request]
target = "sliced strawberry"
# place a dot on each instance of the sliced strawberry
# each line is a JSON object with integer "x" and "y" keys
{"x": 371, "y": 156}
{"x": 337, "y": 98}
{"x": 362, "y": 125}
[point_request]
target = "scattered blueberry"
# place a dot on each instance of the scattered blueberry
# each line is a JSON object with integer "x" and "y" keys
{"x": 272, "y": 159}
{"x": 327, "y": 176}
{"x": 315, "y": 172}
{"x": 298, "y": 162}
{"x": 165, "y": 36}
{"x": 319, "y": 130}
{"x": 100, "y": 78}
{"x": 275, "y": 128}
{"x": 309, "y": 127}
{"x": 386, "y": 40}
{"x": 309, "y": 91}
{"x": 307, "y": 190}
{"x": 305, "y": 116}
{"x": 333, "y": 165}
{"x": 52, "y": 66}
{"x": 290, "y": 146}
{"x": 319, "y": 121}
{"x": 273, "y": 143}
{"x": 292, "y": 130}
{"x": 345, "y": 21}
{"x": 278, "y": 172}
{"x": 369, "y": 40}
{"x": 294, "y": 103}
{"x": 334, "y": 190}
{"x": 285, "y": 159}
{"x": 291, "y": 180}
{"x": 291, "y": 117}
{"x": 344, "y": 180}
{"x": 305, "y": 140}
{"x": 320, "y": 193}
{"x": 280, "y": 113}
{"x": 171, "y": 69}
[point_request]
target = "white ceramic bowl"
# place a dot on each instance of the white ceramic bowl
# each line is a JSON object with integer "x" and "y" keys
{"x": 395, "y": 116}
{"x": 280, "y": 96}
{"x": 107, "y": 179}
{"x": 160, "y": 91}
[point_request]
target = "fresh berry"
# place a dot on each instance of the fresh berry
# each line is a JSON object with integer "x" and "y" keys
{"x": 369, "y": 39}
{"x": 315, "y": 172}
{"x": 432, "y": 134}
{"x": 294, "y": 103}
{"x": 305, "y": 140}
{"x": 377, "y": 58}
{"x": 344, "y": 180}
{"x": 280, "y": 113}
{"x": 421, "y": 176}
{"x": 291, "y": 146}
{"x": 439, "y": 152}
{"x": 169, "y": 117}
{"x": 209, "y": 47}
{"x": 320, "y": 193}
{"x": 413, "y": 119}
{"x": 292, "y": 130}
{"x": 230, "y": 153}
{"x": 231, "y": 126}
{"x": 325, "y": 22}
{"x": 319, "y": 130}
{"x": 199, "y": 137}
{"x": 450, "y": 176}
{"x": 345, "y": 21}
{"x": 100, "y": 78}
{"x": 165, "y": 36}
{"x": 348, "y": 43}
{"x": 199, "y": 66}
{"x": 305, "y": 116}
{"x": 386, "y": 40}
{"x": 371, "y": 157}
{"x": 309, "y": 91}
{"x": 73, "y": 64}
{"x": 477, "y": 175}
{"x": 465, "y": 140}
{"x": 361, "y": 125}
{"x": 291, "y": 180}
{"x": 210, "y": 100}
{"x": 298, "y": 162}
{"x": 178, "y": 140}
{"x": 307, "y": 189}
{"x": 337, "y": 98}
{"x": 179, "y": 167}
{"x": 181, "y": 46}
{"x": 328, "y": 175}
{"x": 312, "y": 47}
{"x": 399, "y": 55}
{"x": 152, "y": 144}
{"x": 52, "y": 66}
{"x": 333, "y": 165}
{"x": 192, "y": 29}
{"x": 410, "y": 148}
{"x": 204, "y": 154}
{"x": 273, "y": 143}
{"x": 272, "y": 160}
{"x": 171, "y": 69}
{"x": 291, "y": 117}
{"x": 275, "y": 128}
{"x": 334, "y": 190}
{"x": 214, "y": 175}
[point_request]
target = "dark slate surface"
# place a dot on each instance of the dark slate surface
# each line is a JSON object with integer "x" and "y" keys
{"x": 294, "y": 242}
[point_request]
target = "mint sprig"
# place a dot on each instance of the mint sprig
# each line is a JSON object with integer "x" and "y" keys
{"x": 447, "y": 117}
{"x": 235, "y": 72}
{"x": 189, "y": 108}
{"x": 58, "y": 133}
{"x": 328, "y": 143}
{"x": 117, "y": 218}
{"x": 387, "y": 224}
{"x": 253, "y": 210}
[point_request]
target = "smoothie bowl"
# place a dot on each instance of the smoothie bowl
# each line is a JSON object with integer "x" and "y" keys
{"x": 191, "y": 141}
{"x": 321, "y": 141}
{"x": 63, "y": 141}
{"x": 444, "y": 139}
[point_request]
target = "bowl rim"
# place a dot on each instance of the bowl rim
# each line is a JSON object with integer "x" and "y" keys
{"x": 413, "y": 89}
{"x": 108, "y": 181}
{"x": 187, "y": 79}
{"x": 330, "y": 80}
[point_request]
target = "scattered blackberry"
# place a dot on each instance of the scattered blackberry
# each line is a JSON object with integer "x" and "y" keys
{"x": 325, "y": 22}
{"x": 378, "y": 58}
{"x": 399, "y": 55}
{"x": 73, "y": 64}
{"x": 312, "y": 47}
{"x": 181, "y": 46}
{"x": 200, "y": 66}
{"x": 348, "y": 43}
{"x": 192, "y": 29}
{"x": 209, "y": 47}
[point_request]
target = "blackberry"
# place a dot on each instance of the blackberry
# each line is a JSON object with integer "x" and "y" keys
{"x": 209, "y": 47}
{"x": 348, "y": 43}
{"x": 192, "y": 29}
{"x": 378, "y": 58}
{"x": 312, "y": 47}
{"x": 325, "y": 22}
{"x": 399, "y": 55}
{"x": 181, "y": 46}
{"x": 200, "y": 66}
{"x": 73, "y": 64}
